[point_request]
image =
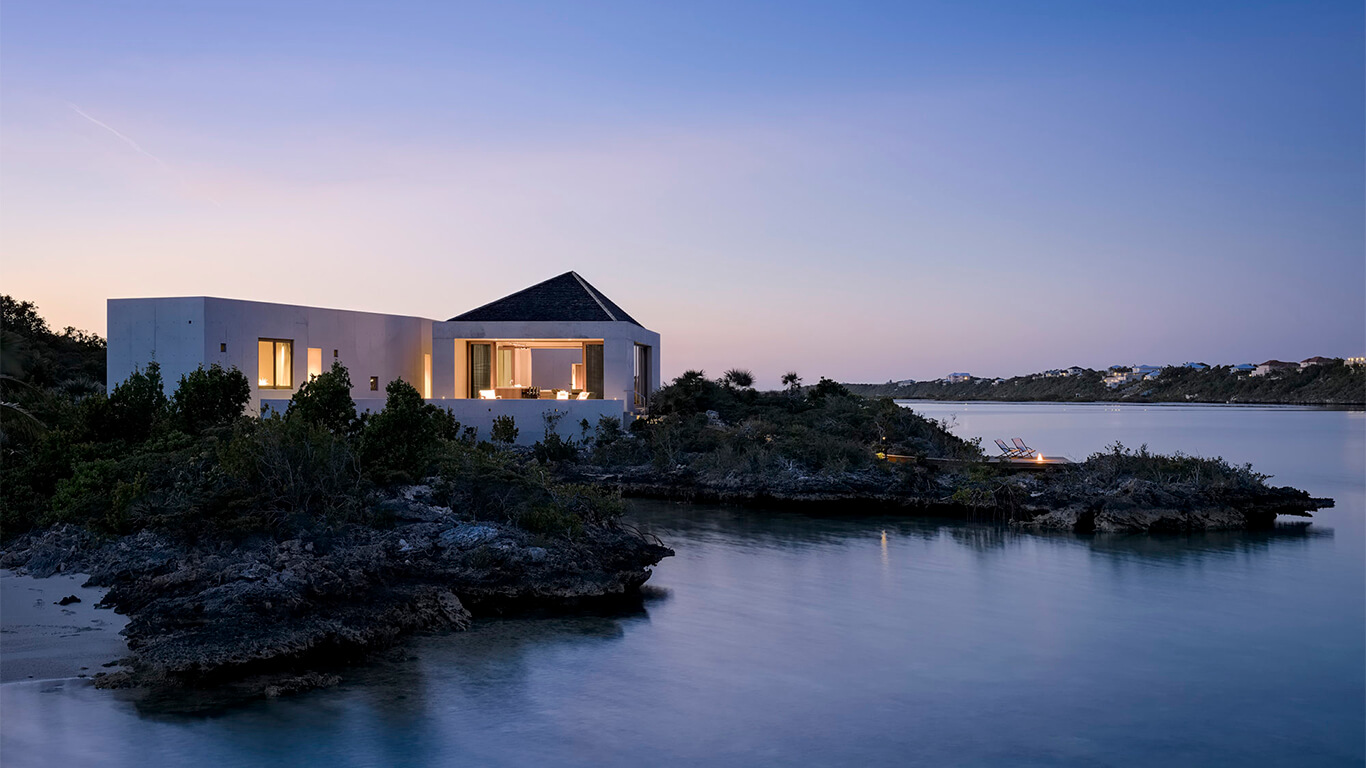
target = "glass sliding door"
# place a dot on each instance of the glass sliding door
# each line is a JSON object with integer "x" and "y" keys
{"x": 481, "y": 368}
{"x": 642, "y": 376}
{"x": 592, "y": 369}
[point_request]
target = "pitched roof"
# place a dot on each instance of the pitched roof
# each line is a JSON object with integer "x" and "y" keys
{"x": 565, "y": 298}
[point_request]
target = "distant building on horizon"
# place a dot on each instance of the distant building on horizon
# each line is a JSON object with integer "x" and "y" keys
{"x": 957, "y": 378}
{"x": 1308, "y": 361}
{"x": 1273, "y": 366}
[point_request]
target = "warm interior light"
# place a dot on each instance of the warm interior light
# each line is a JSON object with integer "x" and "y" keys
{"x": 562, "y": 395}
{"x": 488, "y": 394}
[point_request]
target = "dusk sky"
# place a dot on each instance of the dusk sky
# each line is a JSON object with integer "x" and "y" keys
{"x": 863, "y": 192}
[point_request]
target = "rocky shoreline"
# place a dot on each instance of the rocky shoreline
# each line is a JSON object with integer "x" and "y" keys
{"x": 267, "y": 616}
{"x": 1058, "y": 500}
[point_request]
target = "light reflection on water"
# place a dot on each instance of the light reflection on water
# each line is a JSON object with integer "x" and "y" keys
{"x": 783, "y": 639}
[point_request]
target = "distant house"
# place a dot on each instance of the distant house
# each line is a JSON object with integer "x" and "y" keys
{"x": 1244, "y": 368}
{"x": 1273, "y": 366}
{"x": 1356, "y": 361}
{"x": 905, "y": 382}
{"x": 1119, "y": 378}
{"x": 1144, "y": 370}
{"x": 1055, "y": 373}
{"x": 1074, "y": 371}
{"x": 1305, "y": 363}
{"x": 957, "y": 378}
{"x": 1197, "y": 366}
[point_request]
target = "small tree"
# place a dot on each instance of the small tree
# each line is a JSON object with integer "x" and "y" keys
{"x": 209, "y": 397}
{"x": 504, "y": 430}
{"x": 792, "y": 382}
{"x": 827, "y": 388}
{"x": 137, "y": 405}
{"x": 326, "y": 400}
{"x": 399, "y": 443}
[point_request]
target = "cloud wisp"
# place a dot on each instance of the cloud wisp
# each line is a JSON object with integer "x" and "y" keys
{"x": 136, "y": 147}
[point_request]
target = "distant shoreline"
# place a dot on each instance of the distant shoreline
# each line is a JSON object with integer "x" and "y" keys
{"x": 1145, "y": 403}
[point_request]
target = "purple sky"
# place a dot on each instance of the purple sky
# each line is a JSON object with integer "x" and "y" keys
{"x": 859, "y": 192}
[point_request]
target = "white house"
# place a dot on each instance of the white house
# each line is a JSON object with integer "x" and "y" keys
{"x": 1272, "y": 366}
{"x": 560, "y": 346}
{"x": 957, "y": 378}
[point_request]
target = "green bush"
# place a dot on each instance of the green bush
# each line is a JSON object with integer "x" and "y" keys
{"x": 209, "y": 397}
{"x": 400, "y": 443}
{"x": 552, "y": 447}
{"x": 290, "y": 467}
{"x": 504, "y": 430}
{"x": 137, "y": 406}
{"x": 325, "y": 400}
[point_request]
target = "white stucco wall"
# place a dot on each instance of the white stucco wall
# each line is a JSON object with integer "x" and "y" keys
{"x": 183, "y": 333}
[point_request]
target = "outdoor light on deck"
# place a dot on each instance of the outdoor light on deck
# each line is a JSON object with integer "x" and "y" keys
{"x": 1038, "y": 457}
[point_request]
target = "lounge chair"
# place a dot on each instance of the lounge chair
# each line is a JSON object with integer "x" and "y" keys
{"x": 1006, "y": 450}
{"x": 582, "y": 396}
{"x": 1024, "y": 449}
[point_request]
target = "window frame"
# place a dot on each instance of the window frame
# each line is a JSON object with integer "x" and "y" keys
{"x": 275, "y": 372}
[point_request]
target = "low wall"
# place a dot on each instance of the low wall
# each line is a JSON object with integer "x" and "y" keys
{"x": 528, "y": 415}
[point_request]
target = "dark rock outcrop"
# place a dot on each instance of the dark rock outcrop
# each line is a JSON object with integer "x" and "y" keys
{"x": 275, "y": 615}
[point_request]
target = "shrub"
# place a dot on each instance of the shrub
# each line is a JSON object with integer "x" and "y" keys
{"x": 552, "y": 447}
{"x": 293, "y": 467}
{"x": 399, "y": 443}
{"x": 137, "y": 405}
{"x": 504, "y": 430}
{"x": 209, "y": 397}
{"x": 325, "y": 400}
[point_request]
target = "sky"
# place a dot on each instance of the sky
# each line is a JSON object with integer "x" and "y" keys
{"x": 854, "y": 190}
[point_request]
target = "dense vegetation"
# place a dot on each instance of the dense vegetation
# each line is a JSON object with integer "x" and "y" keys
{"x": 1332, "y": 383}
{"x": 725, "y": 431}
{"x": 193, "y": 465}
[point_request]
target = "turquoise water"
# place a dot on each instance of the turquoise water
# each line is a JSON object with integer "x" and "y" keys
{"x": 782, "y": 639}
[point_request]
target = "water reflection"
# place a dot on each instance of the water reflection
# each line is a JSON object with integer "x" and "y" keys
{"x": 787, "y": 639}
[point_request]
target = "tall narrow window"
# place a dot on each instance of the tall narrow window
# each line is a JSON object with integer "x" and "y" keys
{"x": 274, "y": 364}
{"x": 315, "y": 362}
{"x": 481, "y": 368}
{"x": 592, "y": 368}
{"x": 642, "y": 376}
{"x": 427, "y": 375}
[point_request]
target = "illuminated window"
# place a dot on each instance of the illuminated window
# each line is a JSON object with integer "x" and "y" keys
{"x": 427, "y": 375}
{"x": 274, "y": 364}
{"x": 315, "y": 361}
{"x": 374, "y": 383}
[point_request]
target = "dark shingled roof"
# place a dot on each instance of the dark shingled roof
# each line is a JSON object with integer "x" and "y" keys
{"x": 566, "y": 298}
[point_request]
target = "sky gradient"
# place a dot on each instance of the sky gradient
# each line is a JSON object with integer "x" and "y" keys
{"x": 861, "y": 192}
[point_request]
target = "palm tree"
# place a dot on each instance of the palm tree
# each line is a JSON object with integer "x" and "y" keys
{"x": 15, "y": 420}
{"x": 792, "y": 381}
{"x": 738, "y": 378}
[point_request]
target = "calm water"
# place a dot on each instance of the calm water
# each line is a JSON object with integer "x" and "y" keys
{"x": 777, "y": 639}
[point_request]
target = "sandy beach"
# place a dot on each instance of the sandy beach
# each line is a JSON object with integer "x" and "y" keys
{"x": 41, "y": 640}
